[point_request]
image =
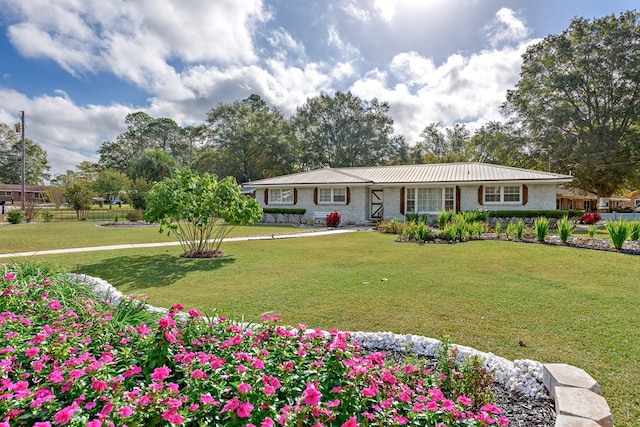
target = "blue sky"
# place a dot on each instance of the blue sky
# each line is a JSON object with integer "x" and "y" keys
{"x": 77, "y": 68}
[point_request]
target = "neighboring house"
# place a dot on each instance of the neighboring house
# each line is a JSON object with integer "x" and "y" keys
{"x": 363, "y": 194}
{"x": 568, "y": 198}
{"x": 13, "y": 192}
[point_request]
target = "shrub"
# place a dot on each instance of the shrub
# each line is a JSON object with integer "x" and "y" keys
{"x": 511, "y": 229}
{"x": 591, "y": 230}
{"x": 590, "y": 218}
{"x": 498, "y": 229}
{"x": 445, "y": 217}
{"x": 424, "y": 232}
{"x": 31, "y": 211}
{"x": 333, "y": 219}
{"x": 409, "y": 231}
{"x": 70, "y": 363}
{"x": 15, "y": 216}
{"x": 634, "y": 230}
{"x": 564, "y": 229}
{"x": 541, "y": 225}
{"x": 47, "y": 215}
{"x": 134, "y": 216}
{"x": 469, "y": 378}
{"x": 520, "y": 229}
{"x": 618, "y": 232}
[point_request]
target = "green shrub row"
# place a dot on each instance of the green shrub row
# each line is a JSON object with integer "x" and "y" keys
{"x": 534, "y": 214}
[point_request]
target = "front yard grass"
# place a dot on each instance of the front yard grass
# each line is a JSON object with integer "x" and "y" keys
{"x": 74, "y": 234}
{"x": 568, "y": 305}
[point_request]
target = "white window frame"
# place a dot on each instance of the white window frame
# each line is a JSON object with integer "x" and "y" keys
{"x": 281, "y": 196}
{"x": 500, "y": 196}
{"x": 419, "y": 197}
{"x": 332, "y": 196}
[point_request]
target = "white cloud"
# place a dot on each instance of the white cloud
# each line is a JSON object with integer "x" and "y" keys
{"x": 506, "y": 27}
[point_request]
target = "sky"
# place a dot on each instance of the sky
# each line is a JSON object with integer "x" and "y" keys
{"x": 78, "y": 67}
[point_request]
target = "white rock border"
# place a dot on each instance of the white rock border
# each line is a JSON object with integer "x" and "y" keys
{"x": 522, "y": 376}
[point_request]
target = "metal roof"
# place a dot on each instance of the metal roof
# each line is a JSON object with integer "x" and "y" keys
{"x": 413, "y": 174}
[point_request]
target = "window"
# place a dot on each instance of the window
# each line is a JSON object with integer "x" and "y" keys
{"x": 430, "y": 199}
{"x": 511, "y": 194}
{"x": 6, "y": 193}
{"x": 281, "y": 196}
{"x": 328, "y": 196}
{"x": 492, "y": 194}
{"x": 502, "y": 194}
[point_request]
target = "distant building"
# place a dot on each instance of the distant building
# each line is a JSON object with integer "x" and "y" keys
{"x": 13, "y": 193}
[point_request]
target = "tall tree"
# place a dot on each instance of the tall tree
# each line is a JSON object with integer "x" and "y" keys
{"x": 152, "y": 166}
{"x": 250, "y": 140}
{"x": 146, "y": 133}
{"x": 438, "y": 146}
{"x": 578, "y": 99}
{"x": 110, "y": 183}
{"x": 499, "y": 143}
{"x": 36, "y": 163}
{"x": 344, "y": 130}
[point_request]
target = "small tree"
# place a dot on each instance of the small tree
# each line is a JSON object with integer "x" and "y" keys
{"x": 78, "y": 194}
{"x": 201, "y": 210}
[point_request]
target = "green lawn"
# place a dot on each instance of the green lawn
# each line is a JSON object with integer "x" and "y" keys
{"x": 568, "y": 305}
{"x": 75, "y": 234}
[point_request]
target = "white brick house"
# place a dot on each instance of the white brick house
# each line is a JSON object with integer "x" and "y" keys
{"x": 362, "y": 194}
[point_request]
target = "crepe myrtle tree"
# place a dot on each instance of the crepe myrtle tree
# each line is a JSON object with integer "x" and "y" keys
{"x": 200, "y": 209}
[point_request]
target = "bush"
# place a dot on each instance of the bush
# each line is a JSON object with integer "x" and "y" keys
{"x": 634, "y": 230}
{"x": 564, "y": 229}
{"x": 134, "y": 216}
{"x": 498, "y": 229}
{"x": 535, "y": 214}
{"x": 618, "y": 232}
{"x": 333, "y": 219}
{"x": 15, "y": 216}
{"x": 541, "y": 225}
{"x": 520, "y": 229}
{"x": 591, "y": 230}
{"x": 424, "y": 232}
{"x": 511, "y": 229}
{"x": 590, "y": 218}
{"x": 47, "y": 215}
{"x": 445, "y": 217}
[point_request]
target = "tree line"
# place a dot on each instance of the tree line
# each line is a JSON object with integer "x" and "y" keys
{"x": 575, "y": 110}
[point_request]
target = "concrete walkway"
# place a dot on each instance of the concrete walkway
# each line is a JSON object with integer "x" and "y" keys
{"x": 152, "y": 245}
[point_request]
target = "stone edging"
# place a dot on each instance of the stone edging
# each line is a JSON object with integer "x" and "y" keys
{"x": 577, "y": 397}
{"x": 576, "y": 394}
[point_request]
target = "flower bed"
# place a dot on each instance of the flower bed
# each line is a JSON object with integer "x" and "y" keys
{"x": 66, "y": 359}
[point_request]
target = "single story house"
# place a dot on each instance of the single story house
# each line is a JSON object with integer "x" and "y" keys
{"x": 568, "y": 198}
{"x": 12, "y": 193}
{"x": 363, "y": 194}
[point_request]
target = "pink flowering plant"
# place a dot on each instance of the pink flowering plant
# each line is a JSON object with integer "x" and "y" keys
{"x": 67, "y": 361}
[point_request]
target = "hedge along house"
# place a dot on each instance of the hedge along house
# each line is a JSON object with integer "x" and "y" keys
{"x": 364, "y": 194}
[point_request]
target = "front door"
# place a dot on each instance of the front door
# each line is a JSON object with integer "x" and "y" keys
{"x": 377, "y": 208}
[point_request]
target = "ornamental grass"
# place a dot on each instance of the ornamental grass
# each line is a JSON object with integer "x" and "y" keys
{"x": 66, "y": 359}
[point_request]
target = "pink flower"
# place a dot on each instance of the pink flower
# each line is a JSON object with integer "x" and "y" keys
{"x": 166, "y": 322}
{"x": 161, "y": 373}
{"x": 464, "y": 400}
{"x": 64, "y": 415}
{"x": 199, "y": 374}
{"x": 32, "y": 352}
{"x": 194, "y": 313}
{"x": 173, "y": 417}
{"x": 503, "y": 421}
{"x": 42, "y": 424}
{"x": 244, "y": 387}
{"x": 125, "y": 411}
{"x": 54, "y": 304}
{"x": 231, "y": 405}
{"x": 143, "y": 330}
{"x": 244, "y": 410}
{"x": 9, "y": 276}
{"x": 311, "y": 395}
{"x": 267, "y": 422}
{"x": 351, "y": 422}
{"x": 94, "y": 423}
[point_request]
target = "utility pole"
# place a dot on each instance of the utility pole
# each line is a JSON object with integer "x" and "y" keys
{"x": 24, "y": 161}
